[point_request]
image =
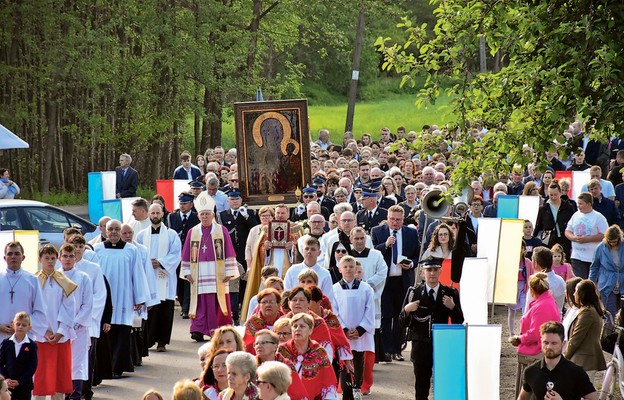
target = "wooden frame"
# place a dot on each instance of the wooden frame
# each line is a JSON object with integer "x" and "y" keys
{"x": 273, "y": 150}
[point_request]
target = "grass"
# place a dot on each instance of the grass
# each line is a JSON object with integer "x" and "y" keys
{"x": 381, "y": 103}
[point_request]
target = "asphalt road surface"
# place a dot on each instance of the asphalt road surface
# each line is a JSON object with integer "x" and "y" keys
{"x": 160, "y": 371}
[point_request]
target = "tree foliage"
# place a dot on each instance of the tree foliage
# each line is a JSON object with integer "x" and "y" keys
{"x": 561, "y": 61}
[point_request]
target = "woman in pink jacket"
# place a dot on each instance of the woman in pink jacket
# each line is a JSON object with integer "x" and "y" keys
{"x": 541, "y": 310}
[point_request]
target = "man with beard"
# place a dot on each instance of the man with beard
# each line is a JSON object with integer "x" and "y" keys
{"x": 555, "y": 377}
{"x": 164, "y": 248}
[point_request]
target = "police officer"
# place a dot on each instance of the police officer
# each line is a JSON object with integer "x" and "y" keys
{"x": 181, "y": 221}
{"x": 425, "y": 304}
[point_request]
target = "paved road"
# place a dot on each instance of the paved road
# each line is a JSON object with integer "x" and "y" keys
{"x": 393, "y": 381}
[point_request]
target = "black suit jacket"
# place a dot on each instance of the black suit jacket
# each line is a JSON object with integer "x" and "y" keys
{"x": 381, "y": 214}
{"x": 329, "y": 204}
{"x": 386, "y": 203}
{"x": 174, "y": 221}
{"x": 440, "y": 314}
{"x": 239, "y": 228}
{"x": 410, "y": 249}
{"x": 127, "y": 185}
{"x": 20, "y": 367}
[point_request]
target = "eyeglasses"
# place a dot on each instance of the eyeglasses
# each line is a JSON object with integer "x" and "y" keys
{"x": 281, "y": 334}
{"x": 343, "y": 251}
{"x": 263, "y": 343}
{"x": 443, "y": 234}
{"x": 261, "y": 382}
{"x": 268, "y": 302}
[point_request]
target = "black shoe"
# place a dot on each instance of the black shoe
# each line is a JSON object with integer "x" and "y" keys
{"x": 116, "y": 375}
{"x": 386, "y": 358}
{"x": 162, "y": 349}
{"x": 398, "y": 357}
{"x": 197, "y": 336}
{"x": 185, "y": 316}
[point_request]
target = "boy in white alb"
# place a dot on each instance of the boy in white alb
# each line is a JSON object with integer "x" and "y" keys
{"x": 53, "y": 375}
{"x": 83, "y": 302}
{"x": 355, "y": 306}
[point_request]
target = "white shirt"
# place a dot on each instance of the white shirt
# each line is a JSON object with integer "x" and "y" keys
{"x": 435, "y": 290}
{"x": 395, "y": 270}
{"x": 18, "y": 344}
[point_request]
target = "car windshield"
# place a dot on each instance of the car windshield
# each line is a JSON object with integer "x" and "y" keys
{"x": 48, "y": 220}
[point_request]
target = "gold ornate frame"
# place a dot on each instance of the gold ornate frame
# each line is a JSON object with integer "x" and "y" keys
{"x": 273, "y": 150}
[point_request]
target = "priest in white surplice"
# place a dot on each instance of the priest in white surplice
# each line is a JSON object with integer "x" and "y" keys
{"x": 165, "y": 251}
{"x": 140, "y": 218}
{"x": 83, "y": 302}
{"x": 120, "y": 264}
{"x": 208, "y": 263}
{"x": 19, "y": 291}
{"x": 140, "y": 328}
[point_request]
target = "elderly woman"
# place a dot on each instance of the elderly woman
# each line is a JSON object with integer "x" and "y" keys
{"x": 542, "y": 309}
{"x": 585, "y": 230}
{"x": 442, "y": 243}
{"x": 283, "y": 330}
{"x": 241, "y": 372}
{"x": 269, "y": 312}
{"x": 299, "y": 300}
{"x": 310, "y": 358}
{"x": 274, "y": 380}
{"x": 214, "y": 378}
{"x": 584, "y": 335}
{"x": 266, "y": 347}
{"x": 605, "y": 269}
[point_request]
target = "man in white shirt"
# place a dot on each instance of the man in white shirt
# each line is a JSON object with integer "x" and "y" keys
{"x": 311, "y": 252}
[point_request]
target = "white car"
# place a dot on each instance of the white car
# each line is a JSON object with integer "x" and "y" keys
{"x": 49, "y": 220}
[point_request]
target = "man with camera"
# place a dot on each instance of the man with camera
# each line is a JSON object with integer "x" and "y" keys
{"x": 428, "y": 303}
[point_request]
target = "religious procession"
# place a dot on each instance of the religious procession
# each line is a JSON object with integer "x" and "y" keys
{"x": 309, "y": 296}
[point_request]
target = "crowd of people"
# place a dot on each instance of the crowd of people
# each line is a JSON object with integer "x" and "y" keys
{"x": 303, "y": 302}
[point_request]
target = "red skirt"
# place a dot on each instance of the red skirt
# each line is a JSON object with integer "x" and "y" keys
{"x": 53, "y": 374}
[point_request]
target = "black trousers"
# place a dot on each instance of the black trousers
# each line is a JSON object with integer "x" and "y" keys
{"x": 76, "y": 393}
{"x": 391, "y": 304}
{"x": 160, "y": 323}
{"x": 120, "y": 337}
{"x": 358, "y": 373}
{"x": 87, "y": 386}
{"x": 422, "y": 360}
{"x": 183, "y": 291}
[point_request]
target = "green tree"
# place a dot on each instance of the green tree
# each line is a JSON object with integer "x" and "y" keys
{"x": 561, "y": 60}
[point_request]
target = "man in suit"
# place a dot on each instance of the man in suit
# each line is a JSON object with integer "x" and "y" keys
{"x": 371, "y": 215}
{"x": 431, "y": 303}
{"x": 187, "y": 170}
{"x": 238, "y": 220}
{"x": 400, "y": 247}
{"x": 127, "y": 178}
{"x": 472, "y": 224}
{"x": 321, "y": 196}
{"x": 181, "y": 221}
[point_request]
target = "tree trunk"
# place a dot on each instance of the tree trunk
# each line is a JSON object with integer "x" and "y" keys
{"x": 51, "y": 119}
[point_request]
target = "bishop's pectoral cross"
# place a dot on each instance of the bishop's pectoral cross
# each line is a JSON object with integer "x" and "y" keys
{"x": 12, "y": 292}
{"x": 204, "y": 248}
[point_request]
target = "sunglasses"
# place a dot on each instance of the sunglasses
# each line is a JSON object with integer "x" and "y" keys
{"x": 343, "y": 251}
{"x": 308, "y": 196}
